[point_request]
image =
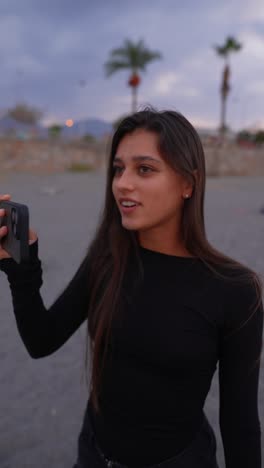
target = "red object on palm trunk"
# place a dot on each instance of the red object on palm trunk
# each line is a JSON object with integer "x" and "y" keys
{"x": 134, "y": 80}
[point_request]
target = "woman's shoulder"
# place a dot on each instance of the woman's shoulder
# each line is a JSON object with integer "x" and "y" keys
{"x": 236, "y": 288}
{"x": 241, "y": 295}
{"x": 233, "y": 276}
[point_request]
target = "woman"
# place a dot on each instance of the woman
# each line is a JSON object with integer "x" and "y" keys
{"x": 163, "y": 307}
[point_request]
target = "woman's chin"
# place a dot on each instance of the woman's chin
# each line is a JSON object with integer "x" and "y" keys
{"x": 130, "y": 225}
{"x": 134, "y": 226}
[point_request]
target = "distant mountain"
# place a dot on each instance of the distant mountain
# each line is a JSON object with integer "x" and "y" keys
{"x": 95, "y": 127}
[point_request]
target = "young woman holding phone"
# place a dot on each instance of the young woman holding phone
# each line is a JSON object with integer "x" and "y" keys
{"x": 164, "y": 309}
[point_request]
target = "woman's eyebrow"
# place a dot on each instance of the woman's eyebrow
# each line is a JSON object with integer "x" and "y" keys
{"x": 139, "y": 158}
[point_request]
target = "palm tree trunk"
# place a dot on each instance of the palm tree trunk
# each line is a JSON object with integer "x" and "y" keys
{"x": 134, "y": 99}
{"x": 223, "y": 114}
{"x": 225, "y": 88}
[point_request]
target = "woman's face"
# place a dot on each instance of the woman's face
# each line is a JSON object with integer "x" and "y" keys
{"x": 142, "y": 177}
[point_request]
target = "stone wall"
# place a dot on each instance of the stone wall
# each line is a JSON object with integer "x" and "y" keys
{"x": 232, "y": 159}
{"x": 49, "y": 156}
{"x": 59, "y": 156}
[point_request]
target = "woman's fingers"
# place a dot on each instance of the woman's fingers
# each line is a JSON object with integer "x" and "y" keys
{"x": 3, "y": 253}
{"x": 3, "y": 197}
{"x": 3, "y": 232}
{"x": 32, "y": 236}
{"x": 2, "y": 214}
{"x": 6, "y": 196}
{"x": 3, "y": 229}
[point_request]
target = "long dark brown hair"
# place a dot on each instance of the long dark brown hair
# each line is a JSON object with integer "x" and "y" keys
{"x": 109, "y": 252}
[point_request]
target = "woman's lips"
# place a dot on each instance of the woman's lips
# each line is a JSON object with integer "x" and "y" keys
{"x": 128, "y": 209}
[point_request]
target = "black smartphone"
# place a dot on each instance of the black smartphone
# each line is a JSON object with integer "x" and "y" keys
{"x": 16, "y": 241}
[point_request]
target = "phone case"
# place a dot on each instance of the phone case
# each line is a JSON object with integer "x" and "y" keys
{"x": 16, "y": 242}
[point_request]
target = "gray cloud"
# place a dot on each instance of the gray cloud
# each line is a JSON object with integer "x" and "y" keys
{"x": 53, "y": 54}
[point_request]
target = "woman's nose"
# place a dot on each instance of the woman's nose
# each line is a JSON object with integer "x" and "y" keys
{"x": 125, "y": 181}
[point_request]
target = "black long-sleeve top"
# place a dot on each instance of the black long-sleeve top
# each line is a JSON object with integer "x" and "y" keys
{"x": 164, "y": 349}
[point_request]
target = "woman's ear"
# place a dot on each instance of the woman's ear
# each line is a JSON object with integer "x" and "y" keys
{"x": 187, "y": 189}
{"x": 195, "y": 174}
{"x": 191, "y": 182}
{"x": 196, "y": 177}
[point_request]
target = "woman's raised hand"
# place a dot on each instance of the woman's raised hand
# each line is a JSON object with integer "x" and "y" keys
{"x": 3, "y": 230}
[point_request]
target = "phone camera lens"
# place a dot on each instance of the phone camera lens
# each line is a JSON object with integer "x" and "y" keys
{"x": 14, "y": 219}
{"x": 14, "y": 216}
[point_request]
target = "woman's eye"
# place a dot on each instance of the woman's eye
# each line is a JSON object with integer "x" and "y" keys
{"x": 141, "y": 169}
{"x": 146, "y": 169}
{"x": 117, "y": 169}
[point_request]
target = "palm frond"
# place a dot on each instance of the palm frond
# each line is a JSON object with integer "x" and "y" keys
{"x": 133, "y": 55}
{"x": 221, "y": 50}
{"x": 147, "y": 57}
{"x": 233, "y": 44}
{"x": 113, "y": 66}
{"x": 230, "y": 45}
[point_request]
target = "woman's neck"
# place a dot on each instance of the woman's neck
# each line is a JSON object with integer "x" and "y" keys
{"x": 169, "y": 248}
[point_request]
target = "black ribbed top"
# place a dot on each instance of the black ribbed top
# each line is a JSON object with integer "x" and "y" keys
{"x": 175, "y": 328}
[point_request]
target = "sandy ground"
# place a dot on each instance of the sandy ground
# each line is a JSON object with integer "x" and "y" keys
{"x": 42, "y": 401}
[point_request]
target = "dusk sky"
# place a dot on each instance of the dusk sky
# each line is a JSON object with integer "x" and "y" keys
{"x": 49, "y": 47}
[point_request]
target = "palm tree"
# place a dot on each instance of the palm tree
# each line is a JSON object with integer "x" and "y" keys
{"x": 133, "y": 56}
{"x": 230, "y": 45}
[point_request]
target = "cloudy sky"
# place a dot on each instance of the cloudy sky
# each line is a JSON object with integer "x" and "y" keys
{"x": 52, "y": 55}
